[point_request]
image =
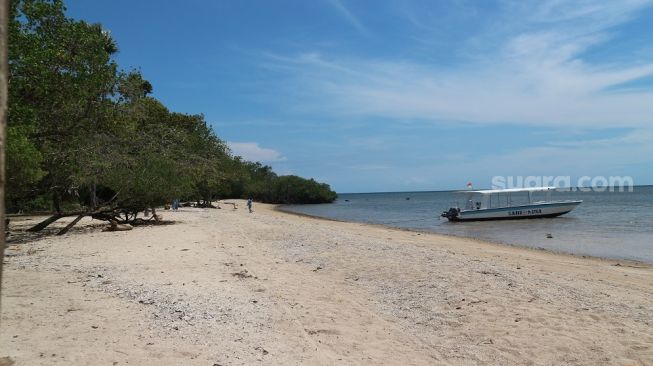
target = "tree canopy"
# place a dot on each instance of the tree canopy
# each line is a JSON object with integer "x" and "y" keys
{"x": 83, "y": 134}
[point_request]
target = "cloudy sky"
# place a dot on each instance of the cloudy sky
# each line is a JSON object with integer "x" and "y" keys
{"x": 404, "y": 95}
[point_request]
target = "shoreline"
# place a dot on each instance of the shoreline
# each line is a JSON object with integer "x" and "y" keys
{"x": 229, "y": 287}
{"x": 499, "y": 243}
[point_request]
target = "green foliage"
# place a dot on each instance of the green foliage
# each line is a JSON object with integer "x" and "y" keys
{"x": 147, "y": 182}
{"x": 294, "y": 189}
{"x": 23, "y": 167}
{"x": 62, "y": 81}
{"x": 262, "y": 184}
{"x": 23, "y": 160}
{"x": 81, "y": 132}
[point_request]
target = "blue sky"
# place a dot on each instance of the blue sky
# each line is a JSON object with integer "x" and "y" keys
{"x": 404, "y": 95}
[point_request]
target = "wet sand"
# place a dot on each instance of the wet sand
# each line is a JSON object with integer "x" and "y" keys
{"x": 225, "y": 287}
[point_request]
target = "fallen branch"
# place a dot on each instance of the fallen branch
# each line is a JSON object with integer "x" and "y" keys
{"x": 235, "y": 205}
{"x": 107, "y": 214}
{"x": 114, "y": 226}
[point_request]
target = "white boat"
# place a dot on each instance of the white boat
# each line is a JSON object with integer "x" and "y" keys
{"x": 506, "y": 204}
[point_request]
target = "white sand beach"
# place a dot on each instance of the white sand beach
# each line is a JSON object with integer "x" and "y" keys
{"x": 226, "y": 287}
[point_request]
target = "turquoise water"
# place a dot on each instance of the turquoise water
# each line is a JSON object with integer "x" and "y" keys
{"x": 615, "y": 225}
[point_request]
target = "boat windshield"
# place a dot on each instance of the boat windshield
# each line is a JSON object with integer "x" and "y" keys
{"x": 478, "y": 201}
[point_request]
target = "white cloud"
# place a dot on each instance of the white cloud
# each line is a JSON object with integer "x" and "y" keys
{"x": 253, "y": 152}
{"x": 534, "y": 75}
{"x": 348, "y": 15}
{"x": 600, "y": 157}
{"x": 606, "y": 156}
{"x": 533, "y": 64}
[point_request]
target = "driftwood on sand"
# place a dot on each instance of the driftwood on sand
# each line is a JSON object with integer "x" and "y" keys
{"x": 115, "y": 226}
{"x": 234, "y": 204}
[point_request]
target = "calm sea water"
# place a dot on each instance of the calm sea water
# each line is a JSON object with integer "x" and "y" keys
{"x": 607, "y": 224}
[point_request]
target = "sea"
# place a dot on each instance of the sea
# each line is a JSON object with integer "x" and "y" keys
{"x": 608, "y": 224}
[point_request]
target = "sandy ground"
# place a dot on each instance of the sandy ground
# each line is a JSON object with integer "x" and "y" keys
{"x": 225, "y": 287}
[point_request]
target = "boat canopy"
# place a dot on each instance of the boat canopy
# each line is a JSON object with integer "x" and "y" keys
{"x": 512, "y": 190}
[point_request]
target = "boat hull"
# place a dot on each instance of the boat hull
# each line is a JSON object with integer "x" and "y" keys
{"x": 531, "y": 211}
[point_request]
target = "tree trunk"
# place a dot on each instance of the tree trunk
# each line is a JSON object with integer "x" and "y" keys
{"x": 94, "y": 196}
{"x": 43, "y": 224}
{"x": 4, "y": 72}
{"x": 69, "y": 226}
{"x": 56, "y": 202}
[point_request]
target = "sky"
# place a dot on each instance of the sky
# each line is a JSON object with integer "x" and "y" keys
{"x": 405, "y": 95}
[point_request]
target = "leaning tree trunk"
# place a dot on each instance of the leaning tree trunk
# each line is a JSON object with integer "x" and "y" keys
{"x": 45, "y": 223}
{"x": 4, "y": 72}
{"x": 70, "y": 225}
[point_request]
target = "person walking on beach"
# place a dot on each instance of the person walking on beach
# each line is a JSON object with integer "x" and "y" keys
{"x": 175, "y": 204}
{"x": 249, "y": 205}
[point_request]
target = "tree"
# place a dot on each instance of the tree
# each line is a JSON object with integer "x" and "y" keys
{"x": 62, "y": 80}
{"x": 91, "y": 138}
{"x": 4, "y": 72}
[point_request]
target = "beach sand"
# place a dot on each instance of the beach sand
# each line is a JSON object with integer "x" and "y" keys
{"x": 226, "y": 287}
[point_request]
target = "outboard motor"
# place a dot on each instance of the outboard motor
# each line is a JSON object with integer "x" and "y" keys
{"x": 452, "y": 214}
